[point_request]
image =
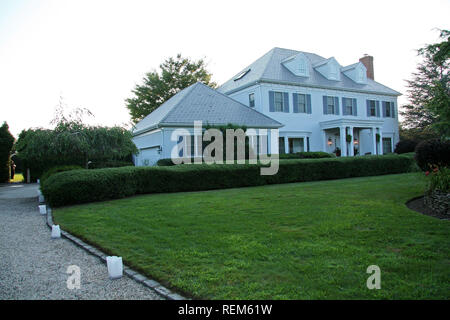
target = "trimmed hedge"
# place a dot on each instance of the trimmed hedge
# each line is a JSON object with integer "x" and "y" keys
{"x": 81, "y": 186}
{"x": 298, "y": 155}
{"x": 55, "y": 170}
{"x": 110, "y": 164}
{"x": 307, "y": 155}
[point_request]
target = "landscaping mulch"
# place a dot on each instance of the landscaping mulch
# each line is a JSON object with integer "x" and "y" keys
{"x": 418, "y": 205}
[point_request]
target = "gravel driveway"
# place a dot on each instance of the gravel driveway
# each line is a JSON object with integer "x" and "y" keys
{"x": 32, "y": 266}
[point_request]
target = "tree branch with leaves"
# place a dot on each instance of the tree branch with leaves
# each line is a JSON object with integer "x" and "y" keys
{"x": 157, "y": 87}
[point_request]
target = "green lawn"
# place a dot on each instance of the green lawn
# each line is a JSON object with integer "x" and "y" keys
{"x": 291, "y": 241}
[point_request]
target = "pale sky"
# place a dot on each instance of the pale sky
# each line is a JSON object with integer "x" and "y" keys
{"x": 94, "y": 52}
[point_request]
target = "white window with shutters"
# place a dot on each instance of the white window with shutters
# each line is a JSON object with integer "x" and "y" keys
{"x": 278, "y": 101}
{"x": 301, "y": 102}
{"x": 330, "y": 105}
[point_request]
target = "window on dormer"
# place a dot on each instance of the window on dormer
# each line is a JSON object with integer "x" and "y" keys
{"x": 333, "y": 72}
{"x": 360, "y": 75}
{"x": 302, "y": 67}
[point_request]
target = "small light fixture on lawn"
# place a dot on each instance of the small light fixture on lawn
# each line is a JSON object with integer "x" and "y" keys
{"x": 115, "y": 267}
{"x": 43, "y": 209}
{"x": 56, "y": 232}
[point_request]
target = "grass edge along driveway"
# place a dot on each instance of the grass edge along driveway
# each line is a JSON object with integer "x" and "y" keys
{"x": 310, "y": 240}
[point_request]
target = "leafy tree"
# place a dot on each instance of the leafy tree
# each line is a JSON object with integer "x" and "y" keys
{"x": 6, "y": 145}
{"x": 429, "y": 90}
{"x": 175, "y": 75}
{"x": 417, "y": 134}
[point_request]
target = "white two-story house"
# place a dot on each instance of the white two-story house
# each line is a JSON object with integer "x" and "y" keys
{"x": 322, "y": 105}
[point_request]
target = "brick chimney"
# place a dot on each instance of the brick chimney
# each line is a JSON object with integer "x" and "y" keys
{"x": 367, "y": 61}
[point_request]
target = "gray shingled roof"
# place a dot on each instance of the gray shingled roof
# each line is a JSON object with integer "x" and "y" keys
{"x": 269, "y": 68}
{"x": 200, "y": 102}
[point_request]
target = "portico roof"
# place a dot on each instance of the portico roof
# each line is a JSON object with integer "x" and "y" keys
{"x": 356, "y": 123}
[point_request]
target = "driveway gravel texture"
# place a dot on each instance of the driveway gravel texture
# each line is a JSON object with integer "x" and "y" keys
{"x": 34, "y": 266}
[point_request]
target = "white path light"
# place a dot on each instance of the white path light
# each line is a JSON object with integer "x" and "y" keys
{"x": 56, "y": 232}
{"x": 115, "y": 267}
{"x": 43, "y": 209}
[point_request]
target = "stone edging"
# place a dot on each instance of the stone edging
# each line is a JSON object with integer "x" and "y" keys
{"x": 151, "y": 284}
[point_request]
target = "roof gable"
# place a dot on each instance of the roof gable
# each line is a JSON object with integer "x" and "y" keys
{"x": 329, "y": 68}
{"x": 298, "y": 64}
{"x": 357, "y": 72}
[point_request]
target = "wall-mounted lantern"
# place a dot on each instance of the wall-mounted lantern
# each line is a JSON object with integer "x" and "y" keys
{"x": 115, "y": 267}
{"x": 159, "y": 150}
{"x": 355, "y": 142}
{"x": 330, "y": 142}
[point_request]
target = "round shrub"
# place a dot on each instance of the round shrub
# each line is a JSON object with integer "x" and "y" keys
{"x": 432, "y": 153}
{"x": 405, "y": 146}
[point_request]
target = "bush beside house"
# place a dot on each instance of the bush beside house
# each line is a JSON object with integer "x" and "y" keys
{"x": 81, "y": 186}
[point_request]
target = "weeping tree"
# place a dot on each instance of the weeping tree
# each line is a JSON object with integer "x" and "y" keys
{"x": 6, "y": 145}
{"x": 72, "y": 143}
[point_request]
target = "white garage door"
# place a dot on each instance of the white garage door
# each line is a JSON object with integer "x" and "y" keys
{"x": 149, "y": 156}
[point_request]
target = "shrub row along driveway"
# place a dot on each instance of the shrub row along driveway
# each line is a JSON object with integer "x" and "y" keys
{"x": 32, "y": 266}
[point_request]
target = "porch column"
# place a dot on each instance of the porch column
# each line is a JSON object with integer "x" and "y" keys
{"x": 380, "y": 144}
{"x": 286, "y": 144}
{"x": 352, "y": 146}
{"x": 305, "y": 146}
{"x": 324, "y": 140}
{"x": 343, "y": 142}
{"x": 374, "y": 140}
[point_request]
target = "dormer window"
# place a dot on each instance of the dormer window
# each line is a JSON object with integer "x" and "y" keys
{"x": 329, "y": 68}
{"x": 302, "y": 66}
{"x": 356, "y": 72}
{"x": 297, "y": 64}
{"x": 333, "y": 72}
{"x": 360, "y": 75}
